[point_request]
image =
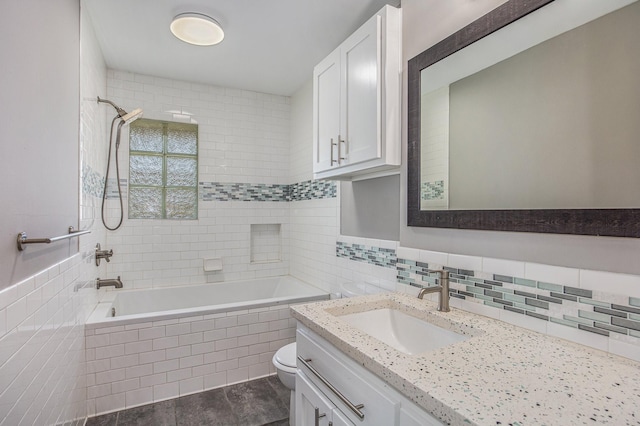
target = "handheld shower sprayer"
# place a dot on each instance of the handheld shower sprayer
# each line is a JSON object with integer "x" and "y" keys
{"x": 124, "y": 118}
{"x": 127, "y": 117}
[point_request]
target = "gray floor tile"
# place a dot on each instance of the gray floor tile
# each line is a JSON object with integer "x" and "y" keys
{"x": 158, "y": 414}
{"x": 104, "y": 420}
{"x": 209, "y": 408}
{"x": 284, "y": 422}
{"x": 281, "y": 390}
{"x": 262, "y": 402}
{"x": 255, "y": 403}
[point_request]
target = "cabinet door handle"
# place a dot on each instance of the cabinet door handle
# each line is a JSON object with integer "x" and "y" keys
{"x": 318, "y": 416}
{"x": 340, "y": 142}
{"x": 332, "y": 145}
{"x": 355, "y": 408}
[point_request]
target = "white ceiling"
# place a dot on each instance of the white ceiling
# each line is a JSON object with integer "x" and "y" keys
{"x": 270, "y": 46}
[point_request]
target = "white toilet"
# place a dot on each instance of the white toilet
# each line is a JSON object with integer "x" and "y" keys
{"x": 285, "y": 362}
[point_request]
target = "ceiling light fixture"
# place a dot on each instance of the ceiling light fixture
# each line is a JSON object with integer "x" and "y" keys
{"x": 196, "y": 28}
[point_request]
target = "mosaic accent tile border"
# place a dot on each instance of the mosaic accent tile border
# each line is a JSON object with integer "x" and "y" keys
{"x": 360, "y": 253}
{"x": 308, "y": 190}
{"x": 313, "y": 190}
{"x": 216, "y": 191}
{"x": 560, "y": 304}
{"x": 432, "y": 190}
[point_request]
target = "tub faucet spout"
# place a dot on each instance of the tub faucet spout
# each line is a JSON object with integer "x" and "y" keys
{"x": 108, "y": 282}
{"x": 443, "y": 289}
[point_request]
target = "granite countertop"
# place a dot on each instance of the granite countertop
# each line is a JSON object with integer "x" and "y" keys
{"x": 501, "y": 375}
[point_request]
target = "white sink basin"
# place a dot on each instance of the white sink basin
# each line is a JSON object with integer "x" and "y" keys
{"x": 401, "y": 331}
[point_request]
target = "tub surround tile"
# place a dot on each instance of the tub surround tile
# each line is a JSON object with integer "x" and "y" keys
{"x": 216, "y": 352}
{"x": 564, "y": 383}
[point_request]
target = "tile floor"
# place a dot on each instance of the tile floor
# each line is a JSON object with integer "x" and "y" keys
{"x": 261, "y": 402}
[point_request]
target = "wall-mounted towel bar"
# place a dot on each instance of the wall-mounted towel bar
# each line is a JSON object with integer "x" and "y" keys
{"x": 22, "y": 238}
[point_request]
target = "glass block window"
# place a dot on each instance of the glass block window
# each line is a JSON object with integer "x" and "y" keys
{"x": 163, "y": 170}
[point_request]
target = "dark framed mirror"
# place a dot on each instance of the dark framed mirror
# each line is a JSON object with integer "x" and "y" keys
{"x": 593, "y": 190}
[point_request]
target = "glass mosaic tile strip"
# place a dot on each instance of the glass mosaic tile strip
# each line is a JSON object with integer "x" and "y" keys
{"x": 536, "y": 299}
{"x": 593, "y": 330}
{"x": 216, "y": 191}
{"x": 610, "y": 327}
{"x": 625, "y": 308}
{"x": 578, "y": 292}
{"x": 312, "y": 190}
{"x": 432, "y": 190}
{"x": 610, "y": 312}
{"x": 633, "y": 325}
{"x": 372, "y": 255}
{"x": 308, "y": 190}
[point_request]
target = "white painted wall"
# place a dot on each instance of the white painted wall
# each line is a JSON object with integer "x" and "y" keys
{"x": 39, "y": 44}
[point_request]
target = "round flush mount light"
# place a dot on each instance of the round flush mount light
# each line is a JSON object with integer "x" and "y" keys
{"x": 196, "y": 28}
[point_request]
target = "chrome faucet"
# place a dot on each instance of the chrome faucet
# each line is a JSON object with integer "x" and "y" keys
{"x": 102, "y": 254}
{"x": 108, "y": 282}
{"x": 443, "y": 289}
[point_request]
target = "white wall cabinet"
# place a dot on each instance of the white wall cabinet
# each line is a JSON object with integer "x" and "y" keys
{"x": 356, "y": 102}
{"x": 344, "y": 392}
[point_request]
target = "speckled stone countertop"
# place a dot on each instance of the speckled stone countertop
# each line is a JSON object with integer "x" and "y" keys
{"x": 502, "y": 375}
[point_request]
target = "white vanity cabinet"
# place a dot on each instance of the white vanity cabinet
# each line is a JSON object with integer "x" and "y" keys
{"x": 332, "y": 390}
{"x": 313, "y": 408}
{"x": 356, "y": 102}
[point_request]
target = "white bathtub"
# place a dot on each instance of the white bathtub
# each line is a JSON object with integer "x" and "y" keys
{"x": 174, "y": 302}
{"x": 169, "y": 342}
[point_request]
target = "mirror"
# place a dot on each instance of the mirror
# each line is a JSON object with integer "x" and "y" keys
{"x": 519, "y": 122}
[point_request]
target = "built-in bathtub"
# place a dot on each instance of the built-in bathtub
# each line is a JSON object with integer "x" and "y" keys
{"x": 167, "y": 342}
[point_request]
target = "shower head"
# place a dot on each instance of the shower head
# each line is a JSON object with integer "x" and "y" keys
{"x": 124, "y": 115}
{"x": 132, "y": 116}
{"x": 121, "y": 112}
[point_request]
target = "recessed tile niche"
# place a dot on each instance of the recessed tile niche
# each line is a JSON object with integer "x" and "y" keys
{"x": 266, "y": 243}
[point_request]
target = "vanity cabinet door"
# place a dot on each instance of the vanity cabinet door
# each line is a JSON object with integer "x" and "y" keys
{"x": 313, "y": 408}
{"x": 326, "y": 112}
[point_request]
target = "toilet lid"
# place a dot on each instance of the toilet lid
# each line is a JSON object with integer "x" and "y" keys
{"x": 286, "y": 355}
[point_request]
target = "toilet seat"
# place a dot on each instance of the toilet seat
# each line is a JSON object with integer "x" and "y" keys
{"x": 285, "y": 357}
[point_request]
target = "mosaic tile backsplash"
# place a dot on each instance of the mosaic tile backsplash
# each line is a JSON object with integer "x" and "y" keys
{"x": 373, "y": 255}
{"x": 594, "y": 312}
{"x": 561, "y": 304}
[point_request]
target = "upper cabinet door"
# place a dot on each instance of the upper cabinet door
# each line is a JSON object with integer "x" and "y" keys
{"x": 360, "y": 96}
{"x": 326, "y": 112}
{"x": 356, "y": 114}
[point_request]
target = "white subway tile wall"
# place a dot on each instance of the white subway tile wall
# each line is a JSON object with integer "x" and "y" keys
{"x": 243, "y": 139}
{"x": 266, "y": 243}
{"x": 42, "y": 367}
{"x": 136, "y": 364}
